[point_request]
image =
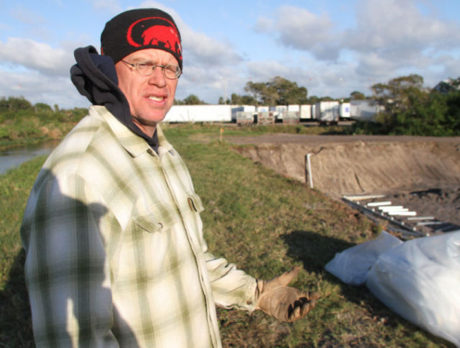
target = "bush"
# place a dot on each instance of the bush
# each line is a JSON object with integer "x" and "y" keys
{"x": 14, "y": 104}
{"x": 425, "y": 114}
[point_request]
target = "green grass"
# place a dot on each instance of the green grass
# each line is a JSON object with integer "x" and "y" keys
{"x": 264, "y": 223}
{"x": 15, "y": 326}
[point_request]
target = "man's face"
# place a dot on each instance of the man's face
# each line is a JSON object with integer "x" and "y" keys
{"x": 149, "y": 97}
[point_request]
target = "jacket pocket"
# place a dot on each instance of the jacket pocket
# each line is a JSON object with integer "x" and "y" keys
{"x": 148, "y": 223}
{"x": 194, "y": 202}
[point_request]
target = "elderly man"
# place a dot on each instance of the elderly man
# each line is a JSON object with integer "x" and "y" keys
{"x": 115, "y": 254}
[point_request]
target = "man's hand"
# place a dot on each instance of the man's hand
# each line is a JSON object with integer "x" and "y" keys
{"x": 283, "y": 302}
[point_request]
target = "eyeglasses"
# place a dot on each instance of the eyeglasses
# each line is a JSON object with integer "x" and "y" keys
{"x": 171, "y": 72}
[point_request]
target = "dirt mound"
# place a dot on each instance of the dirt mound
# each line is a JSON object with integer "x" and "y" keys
{"x": 361, "y": 165}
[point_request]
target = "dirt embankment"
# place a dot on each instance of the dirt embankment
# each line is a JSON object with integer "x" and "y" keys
{"x": 353, "y": 165}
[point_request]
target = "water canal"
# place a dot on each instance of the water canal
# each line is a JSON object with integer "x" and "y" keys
{"x": 12, "y": 158}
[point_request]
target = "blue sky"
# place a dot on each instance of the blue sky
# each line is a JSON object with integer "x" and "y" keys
{"x": 331, "y": 47}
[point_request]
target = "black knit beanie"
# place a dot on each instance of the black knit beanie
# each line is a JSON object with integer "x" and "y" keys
{"x": 138, "y": 29}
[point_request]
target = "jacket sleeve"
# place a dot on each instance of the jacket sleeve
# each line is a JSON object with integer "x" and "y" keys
{"x": 66, "y": 266}
{"x": 231, "y": 286}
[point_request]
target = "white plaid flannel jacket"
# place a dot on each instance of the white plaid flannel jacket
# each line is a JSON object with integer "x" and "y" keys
{"x": 115, "y": 254}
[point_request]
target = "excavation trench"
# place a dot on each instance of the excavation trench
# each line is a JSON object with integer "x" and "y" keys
{"x": 355, "y": 165}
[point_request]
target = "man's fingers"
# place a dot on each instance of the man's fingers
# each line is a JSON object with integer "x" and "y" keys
{"x": 296, "y": 314}
{"x": 307, "y": 307}
{"x": 300, "y": 308}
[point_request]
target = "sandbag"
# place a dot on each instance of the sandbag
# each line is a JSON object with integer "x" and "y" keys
{"x": 420, "y": 280}
{"x": 352, "y": 265}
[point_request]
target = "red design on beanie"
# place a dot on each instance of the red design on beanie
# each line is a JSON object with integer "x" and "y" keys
{"x": 139, "y": 29}
{"x": 155, "y": 34}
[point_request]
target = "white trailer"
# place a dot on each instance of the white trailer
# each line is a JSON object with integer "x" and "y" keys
{"x": 305, "y": 112}
{"x": 327, "y": 111}
{"x": 364, "y": 110}
{"x": 278, "y": 112}
{"x": 199, "y": 113}
{"x": 243, "y": 114}
{"x": 344, "y": 110}
{"x": 262, "y": 108}
{"x": 292, "y": 115}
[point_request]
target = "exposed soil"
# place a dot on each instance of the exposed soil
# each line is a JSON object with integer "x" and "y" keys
{"x": 421, "y": 173}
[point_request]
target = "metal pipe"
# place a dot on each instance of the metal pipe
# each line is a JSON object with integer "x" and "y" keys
{"x": 392, "y": 207}
{"x": 402, "y": 213}
{"x": 308, "y": 169}
{"x": 378, "y": 204}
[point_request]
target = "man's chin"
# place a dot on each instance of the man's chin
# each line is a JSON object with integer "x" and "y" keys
{"x": 151, "y": 121}
{"x": 147, "y": 126}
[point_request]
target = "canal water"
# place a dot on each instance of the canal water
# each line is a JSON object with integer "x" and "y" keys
{"x": 12, "y": 158}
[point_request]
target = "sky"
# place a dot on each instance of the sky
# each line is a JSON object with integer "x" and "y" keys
{"x": 331, "y": 47}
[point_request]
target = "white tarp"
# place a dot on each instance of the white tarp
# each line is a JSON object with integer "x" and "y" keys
{"x": 418, "y": 279}
{"x": 352, "y": 265}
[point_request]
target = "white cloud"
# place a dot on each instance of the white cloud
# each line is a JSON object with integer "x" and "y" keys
{"x": 372, "y": 64}
{"x": 38, "y": 72}
{"x": 267, "y": 70}
{"x": 447, "y": 65}
{"x": 206, "y": 51}
{"x": 35, "y": 55}
{"x": 37, "y": 87}
{"x": 389, "y": 37}
{"x": 210, "y": 83}
{"x": 389, "y": 26}
{"x": 393, "y": 37}
{"x": 303, "y": 30}
{"x": 383, "y": 40}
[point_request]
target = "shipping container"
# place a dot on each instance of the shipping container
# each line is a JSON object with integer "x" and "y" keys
{"x": 262, "y": 108}
{"x": 305, "y": 112}
{"x": 344, "y": 110}
{"x": 278, "y": 112}
{"x": 313, "y": 111}
{"x": 293, "y": 108}
{"x": 327, "y": 111}
{"x": 243, "y": 114}
{"x": 244, "y": 118}
{"x": 265, "y": 118}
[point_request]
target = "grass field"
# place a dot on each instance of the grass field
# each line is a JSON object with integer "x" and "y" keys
{"x": 264, "y": 223}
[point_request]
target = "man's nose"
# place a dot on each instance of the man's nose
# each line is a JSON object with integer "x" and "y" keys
{"x": 158, "y": 76}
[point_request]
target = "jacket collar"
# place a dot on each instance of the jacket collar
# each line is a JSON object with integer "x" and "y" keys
{"x": 132, "y": 142}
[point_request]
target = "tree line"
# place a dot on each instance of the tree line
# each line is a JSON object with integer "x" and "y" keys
{"x": 412, "y": 109}
{"x": 409, "y": 107}
{"x": 22, "y": 122}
